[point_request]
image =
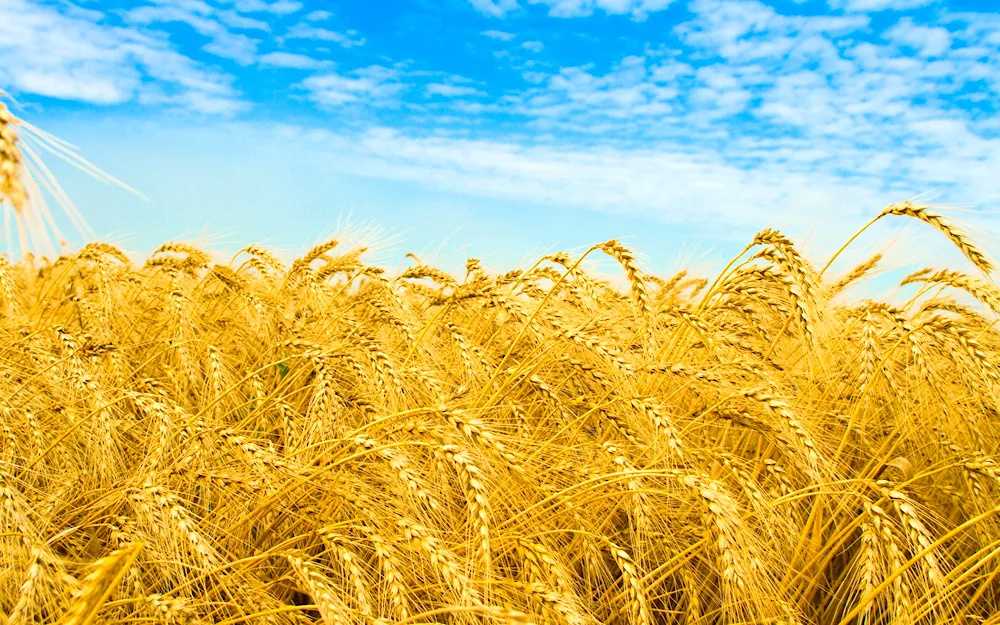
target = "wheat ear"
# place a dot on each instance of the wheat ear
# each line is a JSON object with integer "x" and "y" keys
{"x": 97, "y": 586}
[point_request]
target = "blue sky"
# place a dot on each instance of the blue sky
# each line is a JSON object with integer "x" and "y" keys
{"x": 505, "y": 128}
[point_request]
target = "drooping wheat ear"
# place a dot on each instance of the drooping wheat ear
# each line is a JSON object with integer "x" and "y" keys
{"x": 638, "y": 600}
{"x": 642, "y": 512}
{"x": 391, "y": 572}
{"x": 799, "y": 285}
{"x": 11, "y": 162}
{"x": 883, "y": 529}
{"x": 919, "y": 536}
{"x": 386, "y": 376}
{"x": 788, "y": 257}
{"x": 986, "y": 294}
{"x": 938, "y": 222}
{"x": 268, "y": 262}
{"x": 7, "y": 287}
{"x": 239, "y": 285}
{"x": 36, "y": 431}
{"x": 667, "y": 287}
{"x": 216, "y": 372}
{"x": 737, "y": 562}
{"x": 331, "y": 608}
{"x": 792, "y": 423}
{"x": 387, "y": 314}
{"x": 354, "y": 573}
{"x": 419, "y": 272}
{"x": 559, "y": 605}
{"x": 159, "y": 412}
{"x": 871, "y": 564}
{"x": 697, "y": 323}
{"x": 445, "y": 562}
{"x": 463, "y": 348}
{"x": 96, "y": 587}
{"x": 778, "y": 474}
{"x": 190, "y": 260}
{"x": 28, "y": 592}
{"x": 694, "y": 286}
{"x": 159, "y": 505}
{"x": 636, "y": 277}
{"x": 549, "y": 583}
{"x": 264, "y": 461}
{"x": 475, "y": 491}
{"x": 693, "y": 595}
{"x": 411, "y": 480}
{"x": 301, "y": 264}
{"x": 960, "y": 339}
{"x": 855, "y": 274}
{"x": 869, "y": 351}
{"x": 476, "y": 431}
{"x": 582, "y": 336}
{"x": 168, "y": 610}
{"x": 543, "y": 566}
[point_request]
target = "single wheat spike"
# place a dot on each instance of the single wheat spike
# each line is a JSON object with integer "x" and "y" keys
{"x": 96, "y": 587}
{"x": 959, "y": 238}
{"x": 638, "y": 602}
{"x": 328, "y": 602}
{"x": 636, "y": 277}
{"x": 11, "y": 161}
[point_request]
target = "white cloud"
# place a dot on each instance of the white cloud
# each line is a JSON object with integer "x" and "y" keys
{"x": 239, "y": 48}
{"x": 533, "y": 46}
{"x": 879, "y": 5}
{"x": 638, "y": 9}
{"x": 447, "y": 90}
{"x": 498, "y": 34}
{"x": 371, "y": 86}
{"x": 242, "y": 22}
{"x": 318, "y": 16}
{"x": 677, "y": 184}
{"x": 278, "y": 7}
{"x": 903, "y": 112}
{"x": 350, "y": 39}
{"x": 206, "y": 21}
{"x": 630, "y": 91}
{"x": 294, "y": 61}
{"x": 926, "y": 40}
{"x": 72, "y": 54}
{"x": 495, "y": 8}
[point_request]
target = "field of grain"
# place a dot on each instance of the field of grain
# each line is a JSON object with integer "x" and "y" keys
{"x": 252, "y": 441}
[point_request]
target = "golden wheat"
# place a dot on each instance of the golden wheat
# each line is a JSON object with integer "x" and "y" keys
{"x": 317, "y": 440}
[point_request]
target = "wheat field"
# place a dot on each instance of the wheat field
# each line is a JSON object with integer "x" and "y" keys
{"x": 188, "y": 440}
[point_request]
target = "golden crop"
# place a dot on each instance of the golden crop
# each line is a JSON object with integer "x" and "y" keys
{"x": 261, "y": 443}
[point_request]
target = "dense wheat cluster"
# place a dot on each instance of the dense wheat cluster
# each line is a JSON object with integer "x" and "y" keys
{"x": 255, "y": 442}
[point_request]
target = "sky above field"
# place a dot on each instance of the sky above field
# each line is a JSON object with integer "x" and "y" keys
{"x": 504, "y": 128}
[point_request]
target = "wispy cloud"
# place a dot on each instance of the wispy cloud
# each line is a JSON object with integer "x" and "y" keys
{"x": 533, "y": 46}
{"x": 496, "y": 8}
{"x": 347, "y": 39}
{"x": 206, "y": 20}
{"x": 318, "y": 16}
{"x": 447, "y": 90}
{"x": 498, "y": 34}
{"x": 72, "y": 55}
{"x": 295, "y": 61}
{"x": 374, "y": 86}
{"x": 879, "y": 5}
{"x": 278, "y": 7}
{"x": 688, "y": 186}
{"x": 926, "y": 41}
{"x": 637, "y": 9}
